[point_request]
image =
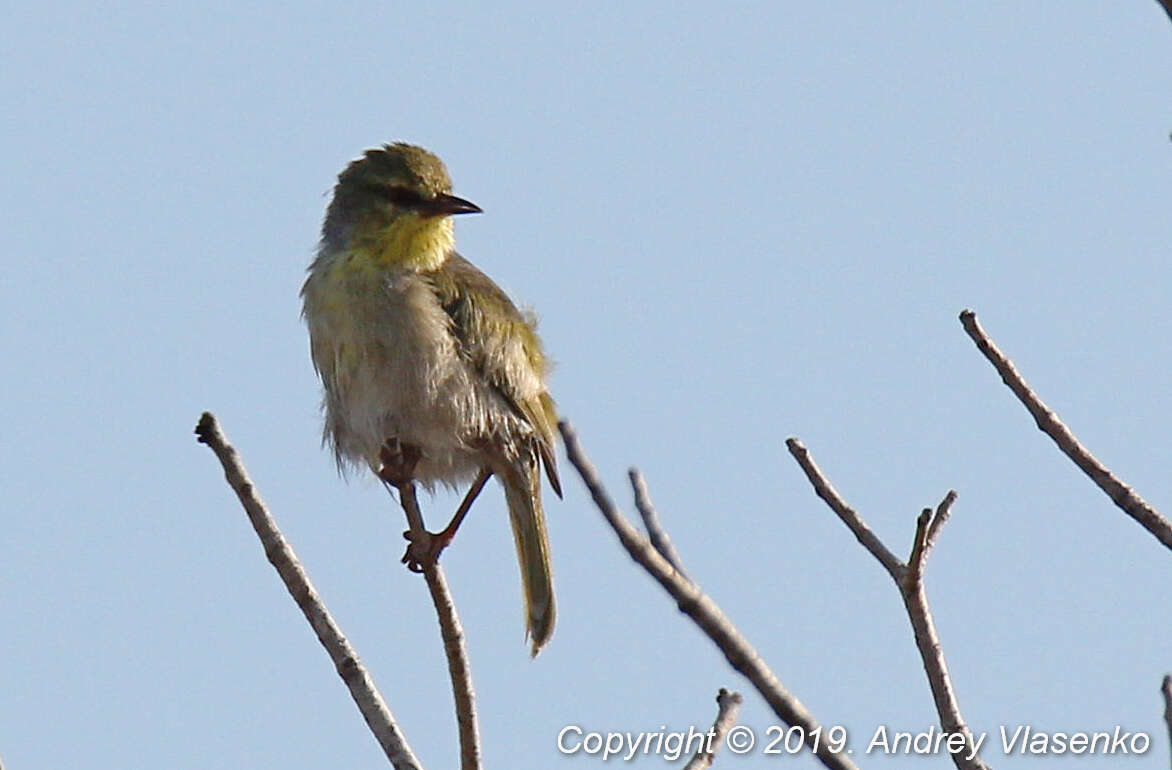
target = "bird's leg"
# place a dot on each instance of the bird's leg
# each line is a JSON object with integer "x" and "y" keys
{"x": 424, "y": 547}
{"x": 449, "y": 532}
{"x": 398, "y": 471}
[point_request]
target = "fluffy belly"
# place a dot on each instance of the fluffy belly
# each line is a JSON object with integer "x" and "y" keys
{"x": 392, "y": 370}
{"x": 431, "y": 405}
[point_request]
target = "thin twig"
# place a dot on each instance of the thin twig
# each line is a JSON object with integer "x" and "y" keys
{"x": 728, "y": 707}
{"x": 909, "y": 580}
{"x": 928, "y": 526}
{"x": 701, "y": 609}
{"x": 1166, "y": 690}
{"x": 655, "y": 531}
{"x": 915, "y": 562}
{"x": 1122, "y": 495}
{"x": 943, "y": 511}
{"x": 410, "y": 504}
{"x": 362, "y": 689}
{"x": 852, "y": 520}
{"x": 452, "y": 634}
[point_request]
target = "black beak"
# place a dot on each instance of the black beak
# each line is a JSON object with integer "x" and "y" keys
{"x": 447, "y": 205}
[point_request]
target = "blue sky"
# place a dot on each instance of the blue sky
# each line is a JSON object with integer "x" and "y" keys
{"x": 737, "y": 224}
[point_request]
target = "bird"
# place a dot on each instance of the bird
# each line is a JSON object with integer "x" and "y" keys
{"x": 429, "y": 372}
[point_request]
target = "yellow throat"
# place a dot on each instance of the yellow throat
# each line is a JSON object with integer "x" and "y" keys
{"x": 409, "y": 240}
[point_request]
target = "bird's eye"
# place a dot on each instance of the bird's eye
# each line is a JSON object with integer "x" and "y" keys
{"x": 402, "y": 197}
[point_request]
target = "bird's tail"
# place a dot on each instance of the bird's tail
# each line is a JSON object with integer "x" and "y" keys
{"x": 522, "y": 482}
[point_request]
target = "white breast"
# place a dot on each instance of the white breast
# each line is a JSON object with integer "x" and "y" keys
{"x": 391, "y": 369}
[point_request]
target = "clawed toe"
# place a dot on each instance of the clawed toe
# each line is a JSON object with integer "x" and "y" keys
{"x": 398, "y": 462}
{"x": 424, "y": 550}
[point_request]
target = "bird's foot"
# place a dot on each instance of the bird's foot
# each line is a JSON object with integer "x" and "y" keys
{"x": 424, "y": 548}
{"x": 398, "y": 462}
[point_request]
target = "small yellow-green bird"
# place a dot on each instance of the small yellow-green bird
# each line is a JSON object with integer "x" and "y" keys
{"x": 422, "y": 356}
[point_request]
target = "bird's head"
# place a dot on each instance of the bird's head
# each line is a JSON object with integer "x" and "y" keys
{"x": 395, "y": 199}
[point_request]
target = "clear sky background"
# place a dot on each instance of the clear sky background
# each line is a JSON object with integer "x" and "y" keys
{"x": 737, "y": 223}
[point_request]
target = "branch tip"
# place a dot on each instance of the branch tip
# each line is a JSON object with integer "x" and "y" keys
{"x": 728, "y": 708}
{"x": 1049, "y": 423}
{"x": 826, "y": 491}
{"x": 658, "y": 536}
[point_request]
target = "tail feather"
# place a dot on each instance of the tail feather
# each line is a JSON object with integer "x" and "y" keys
{"x": 522, "y": 483}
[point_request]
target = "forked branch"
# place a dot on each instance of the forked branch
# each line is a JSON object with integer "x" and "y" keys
{"x": 703, "y": 611}
{"x": 909, "y": 579}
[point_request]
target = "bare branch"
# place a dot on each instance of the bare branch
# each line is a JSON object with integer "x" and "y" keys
{"x": 915, "y": 600}
{"x": 909, "y": 580}
{"x": 852, "y": 520}
{"x": 362, "y": 689}
{"x": 728, "y": 707}
{"x": 915, "y": 562}
{"x": 701, "y": 609}
{"x": 1123, "y": 496}
{"x": 943, "y": 511}
{"x": 1166, "y": 690}
{"x": 452, "y": 634}
{"x": 928, "y": 525}
{"x": 410, "y": 505}
{"x": 655, "y": 532}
